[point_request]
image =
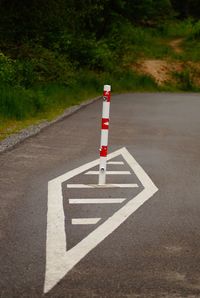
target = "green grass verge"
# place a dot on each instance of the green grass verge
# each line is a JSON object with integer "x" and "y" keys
{"x": 20, "y": 108}
{"x": 17, "y": 103}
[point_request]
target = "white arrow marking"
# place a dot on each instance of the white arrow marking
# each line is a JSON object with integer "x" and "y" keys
{"x": 59, "y": 261}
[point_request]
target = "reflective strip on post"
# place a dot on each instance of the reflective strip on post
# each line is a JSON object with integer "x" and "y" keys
{"x": 104, "y": 134}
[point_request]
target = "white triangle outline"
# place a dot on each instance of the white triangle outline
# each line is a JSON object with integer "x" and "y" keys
{"x": 59, "y": 261}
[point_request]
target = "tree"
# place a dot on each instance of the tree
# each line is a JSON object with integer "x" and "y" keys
{"x": 186, "y": 8}
{"x": 23, "y": 19}
{"x": 148, "y": 10}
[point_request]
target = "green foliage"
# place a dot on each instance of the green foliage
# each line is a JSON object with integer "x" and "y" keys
{"x": 131, "y": 43}
{"x": 44, "y": 20}
{"x": 192, "y": 51}
{"x": 173, "y": 29}
{"x": 80, "y": 50}
{"x": 24, "y": 73}
{"x": 42, "y": 66}
{"x": 15, "y": 72}
{"x": 17, "y": 103}
{"x": 87, "y": 16}
{"x": 189, "y": 33}
{"x": 86, "y": 51}
{"x": 186, "y": 8}
{"x": 127, "y": 81}
{"x": 27, "y": 20}
{"x": 185, "y": 80}
{"x": 7, "y": 70}
{"x": 50, "y": 66}
{"x": 195, "y": 32}
{"x": 103, "y": 58}
{"x": 148, "y": 11}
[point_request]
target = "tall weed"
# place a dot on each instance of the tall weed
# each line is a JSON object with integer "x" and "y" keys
{"x": 17, "y": 103}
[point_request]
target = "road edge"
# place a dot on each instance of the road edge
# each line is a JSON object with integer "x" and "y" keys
{"x": 17, "y": 138}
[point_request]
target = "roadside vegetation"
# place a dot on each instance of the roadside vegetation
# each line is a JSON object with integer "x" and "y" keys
{"x": 58, "y": 53}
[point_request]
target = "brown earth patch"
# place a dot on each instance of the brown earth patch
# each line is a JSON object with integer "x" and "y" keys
{"x": 160, "y": 70}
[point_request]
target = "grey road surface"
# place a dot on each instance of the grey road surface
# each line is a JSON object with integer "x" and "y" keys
{"x": 154, "y": 252}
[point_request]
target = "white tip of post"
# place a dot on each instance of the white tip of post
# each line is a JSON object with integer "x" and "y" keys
{"x": 107, "y": 88}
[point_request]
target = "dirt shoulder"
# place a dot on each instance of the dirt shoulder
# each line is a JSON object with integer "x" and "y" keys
{"x": 160, "y": 70}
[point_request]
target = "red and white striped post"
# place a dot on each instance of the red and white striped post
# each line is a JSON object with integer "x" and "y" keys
{"x": 104, "y": 134}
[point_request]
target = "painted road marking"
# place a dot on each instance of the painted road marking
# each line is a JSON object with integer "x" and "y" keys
{"x": 85, "y": 221}
{"x": 59, "y": 261}
{"x": 109, "y": 173}
{"x": 97, "y": 201}
{"x": 134, "y": 185}
{"x": 115, "y": 163}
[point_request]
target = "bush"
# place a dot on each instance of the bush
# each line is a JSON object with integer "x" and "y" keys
{"x": 195, "y": 33}
{"x": 185, "y": 80}
{"x": 79, "y": 49}
{"x": 16, "y": 72}
{"x": 7, "y": 70}
{"x": 50, "y": 66}
{"x": 39, "y": 66}
{"x": 103, "y": 59}
{"x": 86, "y": 51}
{"x": 25, "y": 74}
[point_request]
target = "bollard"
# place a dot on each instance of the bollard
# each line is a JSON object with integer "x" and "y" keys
{"x": 104, "y": 134}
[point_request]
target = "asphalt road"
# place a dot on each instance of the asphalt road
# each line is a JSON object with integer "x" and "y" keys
{"x": 155, "y": 251}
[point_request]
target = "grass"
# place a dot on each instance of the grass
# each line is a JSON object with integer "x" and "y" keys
{"x": 176, "y": 29}
{"x": 145, "y": 43}
{"x": 189, "y": 32}
{"x": 191, "y": 51}
{"x": 18, "y": 103}
{"x": 8, "y": 127}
